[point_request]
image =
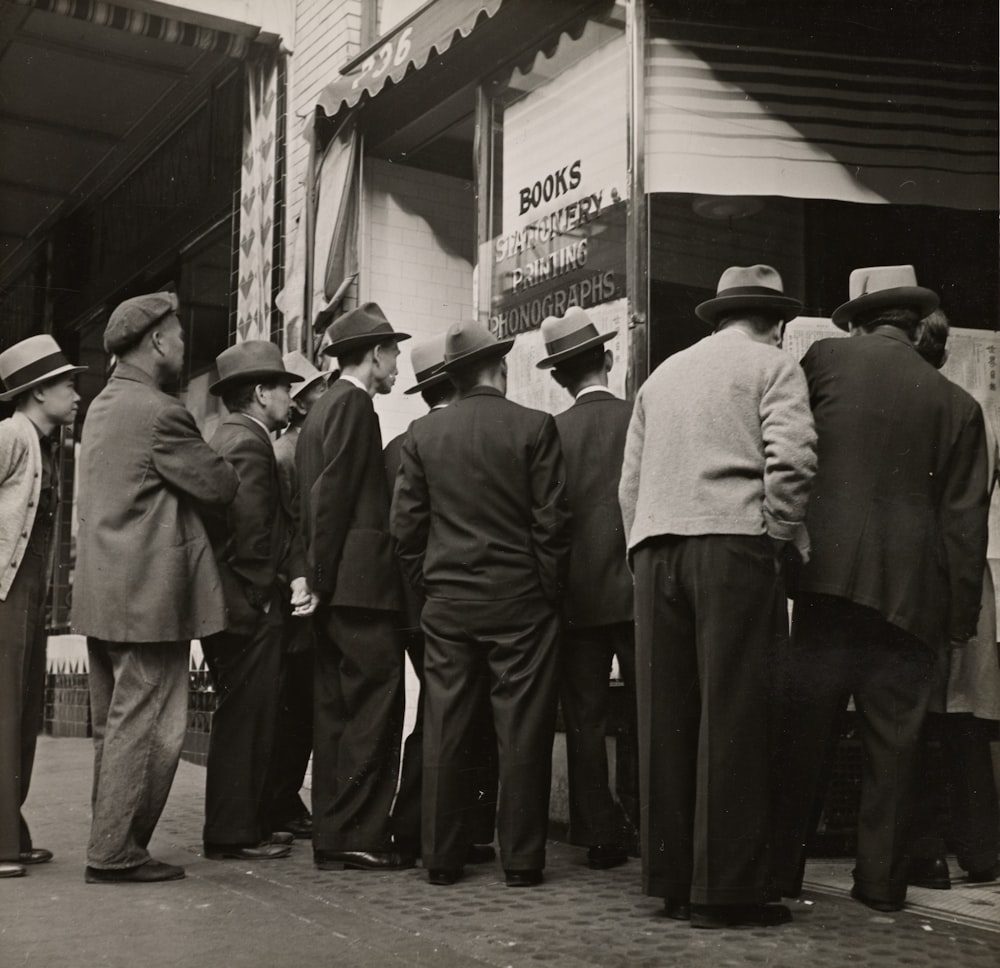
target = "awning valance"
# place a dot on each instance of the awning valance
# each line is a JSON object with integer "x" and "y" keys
{"x": 432, "y": 29}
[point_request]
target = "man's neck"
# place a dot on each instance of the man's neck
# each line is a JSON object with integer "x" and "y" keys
{"x": 597, "y": 381}
{"x": 146, "y": 364}
{"x": 361, "y": 376}
{"x": 45, "y": 424}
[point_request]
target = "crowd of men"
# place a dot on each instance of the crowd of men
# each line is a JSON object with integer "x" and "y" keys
{"x": 512, "y": 556}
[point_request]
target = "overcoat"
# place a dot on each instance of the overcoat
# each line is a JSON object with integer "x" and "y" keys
{"x": 344, "y": 502}
{"x": 592, "y": 434}
{"x": 898, "y": 514}
{"x": 145, "y": 571}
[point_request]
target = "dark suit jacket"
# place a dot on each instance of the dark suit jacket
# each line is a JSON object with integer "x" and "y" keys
{"x": 898, "y": 513}
{"x": 480, "y": 512}
{"x": 344, "y": 502}
{"x": 145, "y": 570}
{"x": 592, "y": 433}
{"x": 413, "y": 604}
{"x": 254, "y": 543}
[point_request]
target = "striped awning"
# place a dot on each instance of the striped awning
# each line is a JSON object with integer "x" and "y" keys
{"x": 431, "y": 30}
{"x": 145, "y": 25}
{"x": 755, "y": 119}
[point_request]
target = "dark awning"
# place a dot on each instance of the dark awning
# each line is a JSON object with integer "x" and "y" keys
{"x": 432, "y": 29}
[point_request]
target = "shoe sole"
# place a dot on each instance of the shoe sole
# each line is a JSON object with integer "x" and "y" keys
{"x": 340, "y": 865}
{"x": 88, "y": 879}
{"x": 226, "y": 855}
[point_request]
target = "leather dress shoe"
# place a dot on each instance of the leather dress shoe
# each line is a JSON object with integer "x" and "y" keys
{"x": 531, "y": 877}
{"x": 443, "y": 876}
{"x": 480, "y": 854}
{"x": 739, "y": 915}
{"x": 602, "y": 857}
{"x": 283, "y": 837}
{"x": 985, "y": 875}
{"x": 149, "y": 873}
{"x": 37, "y": 855}
{"x": 884, "y": 907}
{"x": 365, "y": 860}
{"x": 299, "y": 827}
{"x": 677, "y": 908}
{"x": 261, "y": 851}
{"x": 929, "y": 872}
{"x": 9, "y": 869}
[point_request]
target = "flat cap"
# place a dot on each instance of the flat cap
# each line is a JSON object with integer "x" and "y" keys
{"x": 132, "y": 318}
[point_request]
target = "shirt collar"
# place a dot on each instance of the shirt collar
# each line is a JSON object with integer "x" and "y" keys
{"x": 353, "y": 379}
{"x": 597, "y": 388}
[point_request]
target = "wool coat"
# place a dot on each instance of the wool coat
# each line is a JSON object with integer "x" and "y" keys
{"x": 898, "y": 514}
{"x": 145, "y": 571}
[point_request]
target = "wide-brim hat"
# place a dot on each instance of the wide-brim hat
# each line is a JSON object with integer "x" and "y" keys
{"x": 748, "y": 288}
{"x": 296, "y": 363}
{"x": 569, "y": 335}
{"x": 254, "y": 360}
{"x": 360, "y": 328}
{"x": 31, "y": 362}
{"x": 427, "y": 359}
{"x": 884, "y": 287}
{"x": 471, "y": 342}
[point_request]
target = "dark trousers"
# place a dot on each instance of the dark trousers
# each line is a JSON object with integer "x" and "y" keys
{"x": 357, "y": 727}
{"x": 962, "y": 788}
{"x": 245, "y": 670}
{"x": 584, "y": 692}
{"x": 504, "y": 654}
{"x": 840, "y": 649}
{"x": 710, "y": 615}
{"x": 481, "y": 818}
{"x": 293, "y": 737}
{"x": 22, "y": 693}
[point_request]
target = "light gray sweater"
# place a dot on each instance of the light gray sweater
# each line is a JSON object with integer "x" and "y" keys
{"x": 721, "y": 442}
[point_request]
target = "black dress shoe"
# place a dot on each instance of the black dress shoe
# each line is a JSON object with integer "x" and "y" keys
{"x": 283, "y": 837}
{"x": 364, "y": 860}
{"x": 443, "y": 876}
{"x": 985, "y": 875}
{"x": 37, "y": 855}
{"x": 480, "y": 854}
{"x": 677, "y": 908}
{"x": 531, "y": 877}
{"x": 9, "y": 869}
{"x": 602, "y": 857}
{"x": 299, "y": 827}
{"x": 929, "y": 872}
{"x": 739, "y": 915}
{"x": 885, "y": 907}
{"x": 148, "y": 873}
{"x": 262, "y": 851}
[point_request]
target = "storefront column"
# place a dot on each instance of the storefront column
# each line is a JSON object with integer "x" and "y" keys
{"x": 637, "y": 244}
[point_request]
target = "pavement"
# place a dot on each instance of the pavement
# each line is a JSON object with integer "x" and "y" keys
{"x": 287, "y": 913}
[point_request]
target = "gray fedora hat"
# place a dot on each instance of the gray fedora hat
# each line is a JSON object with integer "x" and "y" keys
{"x": 251, "y": 360}
{"x": 360, "y": 328}
{"x": 751, "y": 288}
{"x": 884, "y": 287}
{"x": 568, "y": 335}
{"x": 427, "y": 358}
{"x": 471, "y": 342}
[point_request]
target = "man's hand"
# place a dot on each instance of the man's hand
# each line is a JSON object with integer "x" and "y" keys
{"x": 304, "y": 602}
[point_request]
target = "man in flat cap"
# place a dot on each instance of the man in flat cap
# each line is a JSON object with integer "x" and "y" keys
{"x": 262, "y": 566}
{"x": 719, "y": 458}
{"x": 293, "y": 739}
{"x": 597, "y": 612}
{"x": 437, "y": 391}
{"x": 40, "y": 381}
{"x": 897, "y": 524}
{"x": 146, "y": 582}
{"x": 491, "y": 561}
{"x": 344, "y": 511}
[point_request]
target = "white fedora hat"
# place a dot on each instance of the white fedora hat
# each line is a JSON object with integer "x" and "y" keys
{"x": 34, "y": 360}
{"x": 884, "y": 287}
{"x": 427, "y": 359}
{"x": 568, "y": 335}
{"x": 296, "y": 363}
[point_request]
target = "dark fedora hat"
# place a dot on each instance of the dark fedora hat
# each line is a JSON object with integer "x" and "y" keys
{"x": 426, "y": 359}
{"x": 30, "y": 363}
{"x": 471, "y": 342}
{"x": 360, "y": 328}
{"x": 254, "y": 360}
{"x": 568, "y": 335}
{"x": 748, "y": 288}
{"x": 884, "y": 287}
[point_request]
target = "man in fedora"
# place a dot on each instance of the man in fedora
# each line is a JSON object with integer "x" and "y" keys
{"x": 491, "y": 562}
{"x": 344, "y": 513}
{"x": 597, "y": 611}
{"x": 718, "y": 462}
{"x": 897, "y": 523}
{"x": 39, "y": 380}
{"x": 146, "y": 582}
{"x": 437, "y": 391}
{"x": 260, "y": 558}
{"x": 293, "y": 740}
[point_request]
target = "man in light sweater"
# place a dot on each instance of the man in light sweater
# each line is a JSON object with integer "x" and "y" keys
{"x": 710, "y": 498}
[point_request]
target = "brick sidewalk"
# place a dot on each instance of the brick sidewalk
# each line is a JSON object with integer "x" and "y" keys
{"x": 286, "y": 913}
